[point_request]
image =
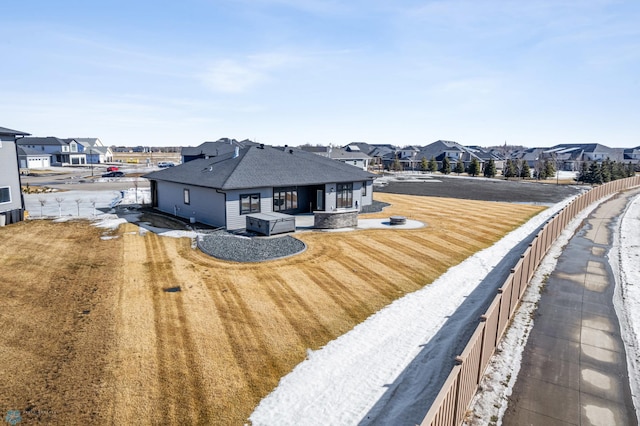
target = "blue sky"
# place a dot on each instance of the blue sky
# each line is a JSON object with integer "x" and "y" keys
{"x": 404, "y": 72}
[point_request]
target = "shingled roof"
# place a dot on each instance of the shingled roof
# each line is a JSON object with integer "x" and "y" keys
{"x": 257, "y": 166}
{"x": 9, "y": 132}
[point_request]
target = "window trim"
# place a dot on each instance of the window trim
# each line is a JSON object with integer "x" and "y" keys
{"x": 344, "y": 195}
{"x": 364, "y": 188}
{"x": 251, "y": 206}
{"x": 8, "y": 188}
{"x": 186, "y": 196}
{"x": 289, "y": 197}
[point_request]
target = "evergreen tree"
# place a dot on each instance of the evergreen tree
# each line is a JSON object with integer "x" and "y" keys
{"x": 509, "y": 169}
{"x": 433, "y": 165}
{"x": 618, "y": 171}
{"x": 525, "y": 171}
{"x": 594, "y": 176}
{"x": 474, "y": 167}
{"x": 549, "y": 169}
{"x": 446, "y": 166}
{"x": 606, "y": 170}
{"x": 424, "y": 164}
{"x": 459, "y": 167}
{"x": 490, "y": 169}
{"x": 631, "y": 170}
{"x": 583, "y": 176}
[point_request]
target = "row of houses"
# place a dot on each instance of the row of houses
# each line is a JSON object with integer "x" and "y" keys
{"x": 43, "y": 152}
{"x": 567, "y": 157}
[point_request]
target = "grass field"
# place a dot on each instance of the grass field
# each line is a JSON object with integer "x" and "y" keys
{"x": 92, "y": 336}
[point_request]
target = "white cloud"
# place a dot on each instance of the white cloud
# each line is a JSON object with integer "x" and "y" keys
{"x": 229, "y": 76}
{"x": 239, "y": 76}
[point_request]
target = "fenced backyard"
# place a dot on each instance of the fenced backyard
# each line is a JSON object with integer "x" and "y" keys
{"x": 449, "y": 407}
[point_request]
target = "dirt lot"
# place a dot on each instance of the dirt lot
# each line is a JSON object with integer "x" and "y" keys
{"x": 145, "y": 329}
{"x": 519, "y": 191}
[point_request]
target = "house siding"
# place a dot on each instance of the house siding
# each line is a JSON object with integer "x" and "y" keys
{"x": 237, "y": 221}
{"x": 205, "y": 204}
{"x": 10, "y": 178}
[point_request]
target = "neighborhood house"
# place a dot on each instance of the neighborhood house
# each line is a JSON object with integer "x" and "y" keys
{"x": 224, "y": 190}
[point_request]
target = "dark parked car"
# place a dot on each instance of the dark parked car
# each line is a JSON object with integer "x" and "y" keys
{"x": 113, "y": 174}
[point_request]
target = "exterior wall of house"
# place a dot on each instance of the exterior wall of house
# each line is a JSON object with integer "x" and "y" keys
{"x": 205, "y": 204}
{"x": 235, "y": 220}
{"x": 360, "y": 196}
{"x": 10, "y": 193}
{"x": 357, "y": 162}
{"x": 216, "y": 209}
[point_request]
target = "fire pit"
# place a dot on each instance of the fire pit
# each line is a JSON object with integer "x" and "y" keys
{"x": 397, "y": 220}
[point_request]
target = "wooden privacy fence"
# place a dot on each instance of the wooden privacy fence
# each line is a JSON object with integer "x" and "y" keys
{"x": 449, "y": 407}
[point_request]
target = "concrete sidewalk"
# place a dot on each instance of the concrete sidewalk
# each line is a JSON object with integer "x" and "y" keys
{"x": 574, "y": 370}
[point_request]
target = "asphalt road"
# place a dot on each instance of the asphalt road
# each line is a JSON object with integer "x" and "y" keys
{"x": 81, "y": 179}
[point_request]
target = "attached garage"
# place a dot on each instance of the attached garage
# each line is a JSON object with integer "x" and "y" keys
{"x": 33, "y": 159}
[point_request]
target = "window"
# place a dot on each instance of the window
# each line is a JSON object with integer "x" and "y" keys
{"x": 187, "y": 196}
{"x": 364, "y": 188}
{"x": 5, "y": 194}
{"x": 249, "y": 203}
{"x": 285, "y": 198}
{"x": 344, "y": 195}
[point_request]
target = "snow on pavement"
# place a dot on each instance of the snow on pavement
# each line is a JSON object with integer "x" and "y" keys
{"x": 491, "y": 400}
{"x": 625, "y": 262}
{"x": 341, "y": 382}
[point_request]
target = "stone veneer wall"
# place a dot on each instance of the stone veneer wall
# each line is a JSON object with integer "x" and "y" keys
{"x": 335, "y": 219}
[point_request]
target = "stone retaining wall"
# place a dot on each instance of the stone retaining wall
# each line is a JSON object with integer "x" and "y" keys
{"x": 335, "y": 219}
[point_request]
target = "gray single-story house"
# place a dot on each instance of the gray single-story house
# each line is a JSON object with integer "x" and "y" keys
{"x": 223, "y": 190}
{"x": 11, "y": 200}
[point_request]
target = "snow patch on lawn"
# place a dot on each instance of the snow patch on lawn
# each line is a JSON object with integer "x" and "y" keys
{"x": 341, "y": 382}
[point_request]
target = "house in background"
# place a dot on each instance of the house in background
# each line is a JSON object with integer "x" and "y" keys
{"x": 350, "y": 155}
{"x": 11, "y": 200}
{"x": 632, "y": 155}
{"x": 94, "y": 150}
{"x": 569, "y": 157}
{"x": 453, "y": 151}
{"x": 213, "y": 149}
{"x": 63, "y": 152}
{"x": 223, "y": 190}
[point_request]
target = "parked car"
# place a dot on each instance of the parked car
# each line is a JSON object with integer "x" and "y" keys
{"x": 163, "y": 164}
{"x": 113, "y": 174}
{"x": 112, "y": 169}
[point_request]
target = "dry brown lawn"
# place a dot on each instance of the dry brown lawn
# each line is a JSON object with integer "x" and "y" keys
{"x": 90, "y": 336}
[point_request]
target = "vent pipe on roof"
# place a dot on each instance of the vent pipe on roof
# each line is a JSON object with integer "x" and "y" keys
{"x": 236, "y": 152}
{"x": 261, "y": 146}
{"x": 290, "y": 151}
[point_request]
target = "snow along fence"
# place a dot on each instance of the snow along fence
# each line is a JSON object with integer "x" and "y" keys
{"x": 450, "y": 406}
